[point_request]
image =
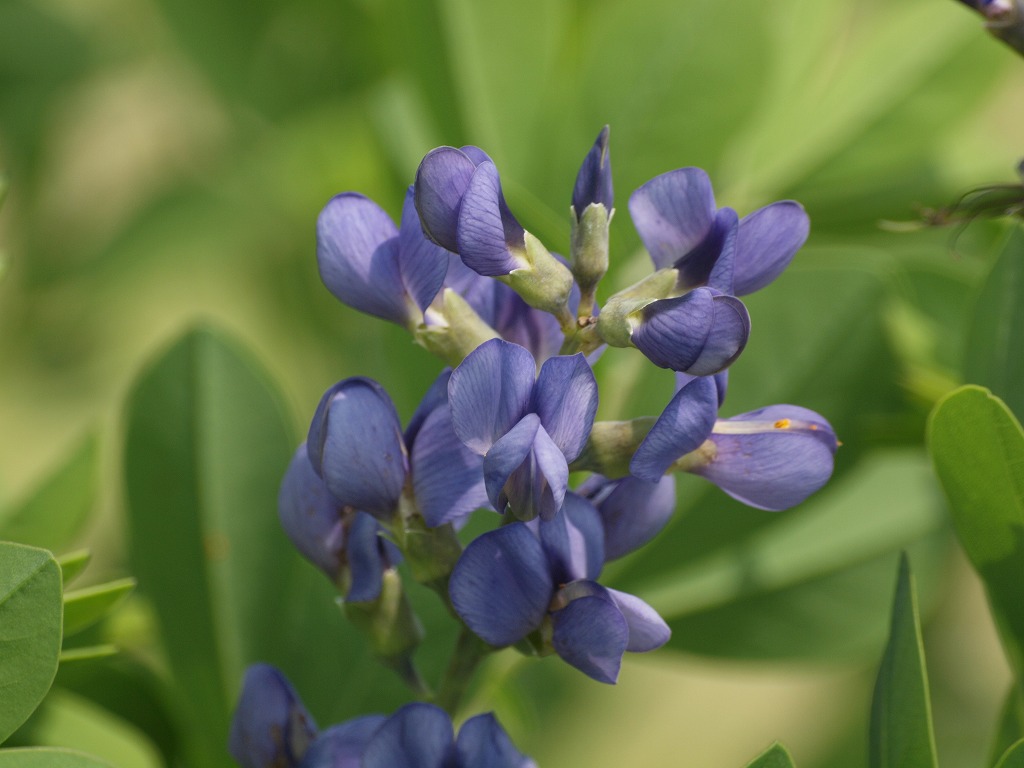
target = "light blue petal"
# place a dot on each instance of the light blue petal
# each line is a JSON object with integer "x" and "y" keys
{"x": 768, "y": 239}
{"x": 673, "y": 213}
{"x": 647, "y": 630}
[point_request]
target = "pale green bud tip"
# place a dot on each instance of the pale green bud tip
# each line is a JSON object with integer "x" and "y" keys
{"x": 545, "y": 283}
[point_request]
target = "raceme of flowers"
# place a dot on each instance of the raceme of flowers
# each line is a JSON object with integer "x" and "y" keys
{"x": 502, "y": 427}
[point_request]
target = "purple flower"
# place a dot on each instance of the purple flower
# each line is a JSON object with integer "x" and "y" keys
{"x": 527, "y": 431}
{"x": 524, "y": 577}
{"x": 594, "y": 180}
{"x": 270, "y": 728}
{"x": 357, "y": 446}
{"x": 370, "y": 265}
{"x": 633, "y": 511}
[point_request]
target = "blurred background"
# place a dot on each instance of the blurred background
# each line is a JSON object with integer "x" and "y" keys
{"x": 166, "y": 161}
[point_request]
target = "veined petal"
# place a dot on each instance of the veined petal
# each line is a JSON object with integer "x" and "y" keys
{"x": 486, "y": 230}
{"x": 550, "y": 478}
{"x": 311, "y": 516}
{"x": 673, "y": 213}
{"x": 435, "y": 397}
{"x": 591, "y": 634}
{"x": 501, "y": 585}
{"x": 767, "y": 241}
{"x": 705, "y": 259}
{"x": 476, "y": 154}
{"x": 526, "y": 471}
{"x": 422, "y": 264}
{"x": 573, "y": 540}
{"x": 342, "y": 746}
{"x": 565, "y": 398}
{"x": 632, "y": 511}
{"x": 685, "y": 423}
{"x": 357, "y": 252}
{"x": 417, "y": 736}
{"x": 726, "y": 339}
{"x": 355, "y": 443}
{"x": 723, "y": 272}
{"x": 483, "y": 743}
{"x": 490, "y": 392}
{"x": 647, "y": 630}
{"x": 364, "y": 550}
{"x": 441, "y": 181}
{"x": 270, "y": 728}
{"x": 721, "y": 382}
{"x": 594, "y": 180}
{"x": 772, "y": 458}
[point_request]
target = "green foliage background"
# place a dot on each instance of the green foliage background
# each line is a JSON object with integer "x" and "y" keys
{"x": 166, "y": 160}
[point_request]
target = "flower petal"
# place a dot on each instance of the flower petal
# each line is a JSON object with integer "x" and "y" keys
{"x": 422, "y": 264}
{"x": 490, "y": 392}
{"x": 647, "y": 630}
{"x": 435, "y": 397}
{"x": 594, "y": 180}
{"x": 683, "y": 426}
{"x": 501, "y": 585}
{"x": 508, "y": 467}
{"x": 772, "y": 458}
{"x": 271, "y": 727}
{"x": 364, "y": 550}
{"x": 767, "y": 241}
{"x": 342, "y": 746}
{"x": 518, "y": 322}
{"x": 727, "y": 338}
{"x": 632, "y": 511}
{"x": 441, "y": 181}
{"x": 483, "y": 743}
{"x": 355, "y": 443}
{"x": 565, "y": 398}
{"x": 417, "y": 736}
{"x": 486, "y": 230}
{"x": 673, "y": 213}
{"x": 591, "y": 634}
{"x": 311, "y": 516}
{"x": 697, "y": 265}
{"x": 573, "y": 540}
{"x": 357, "y": 253}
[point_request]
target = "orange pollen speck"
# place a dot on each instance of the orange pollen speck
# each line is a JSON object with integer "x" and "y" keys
{"x": 814, "y": 426}
{"x": 781, "y": 424}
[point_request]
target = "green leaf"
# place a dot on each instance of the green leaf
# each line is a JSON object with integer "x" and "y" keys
{"x": 87, "y": 653}
{"x": 83, "y": 607}
{"x": 993, "y": 357}
{"x": 30, "y": 631}
{"x": 1011, "y": 723}
{"x": 901, "y": 716}
{"x": 37, "y": 757}
{"x": 54, "y": 514}
{"x": 776, "y": 756}
{"x": 977, "y": 447}
{"x": 1014, "y": 756}
{"x": 73, "y": 563}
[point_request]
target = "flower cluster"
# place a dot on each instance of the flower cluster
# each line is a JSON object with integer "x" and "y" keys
{"x": 504, "y": 425}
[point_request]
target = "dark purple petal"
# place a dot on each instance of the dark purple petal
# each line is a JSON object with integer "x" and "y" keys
{"x": 357, "y": 252}
{"x": 342, "y": 746}
{"x": 594, "y": 180}
{"x": 722, "y": 273}
{"x": 447, "y": 477}
{"x": 441, "y": 181}
{"x": 721, "y": 382}
{"x": 270, "y": 728}
{"x": 483, "y": 743}
{"x": 508, "y": 467}
{"x": 490, "y": 392}
{"x": 422, "y": 264}
{"x": 417, "y": 736}
{"x": 633, "y": 511}
{"x": 364, "y": 550}
{"x": 727, "y": 338}
{"x": 434, "y": 398}
{"x": 573, "y": 540}
{"x": 591, "y": 634}
{"x": 501, "y": 585}
{"x": 683, "y": 426}
{"x": 768, "y": 239}
{"x": 311, "y": 516}
{"x": 565, "y": 398}
{"x": 698, "y": 265}
{"x": 550, "y": 480}
{"x": 772, "y": 458}
{"x": 647, "y": 630}
{"x": 484, "y": 234}
{"x": 355, "y": 442}
{"x": 673, "y": 213}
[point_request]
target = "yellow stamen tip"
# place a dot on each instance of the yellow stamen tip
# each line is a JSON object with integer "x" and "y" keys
{"x": 782, "y": 424}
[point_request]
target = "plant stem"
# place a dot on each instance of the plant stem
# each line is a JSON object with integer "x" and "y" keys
{"x": 469, "y": 651}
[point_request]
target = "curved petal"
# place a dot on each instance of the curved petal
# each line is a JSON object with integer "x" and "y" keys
{"x": 672, "y": 213}
{"x": 311, "y": 516}
{"x": 422, "y": 264}
{"x": 526, "y": 471}
{"x": 490, "y": 392}
{"x": 417, "y": 736}
{"x": 441, "y": 181}
{"x": 447, "y": 477}
{"x": 483, "y": 743}
{"x": 647, "y": 630}
{"x": 723, "y": 272}
{"x": 342, "y": 746}
{"x": 434, "y": 398}
{"x": 501, "y": 585}
{"x": 591, "y": 634}
{"x": 476, "y": 154}
{"x": 705, "y": 259}
{"x": 481, "y": 293}
{"x": 484, "y": 235}
{"x": 357, "y": 253}
{"x": 727, "y": 338}
{"x": 594, "y": 180}
{"x": 270, "y": 727}
{"x": 573, "y": 541}
{"x": 683, "y": 426}
{"x": 565, "y": 398}
{"x": 518, "y": 322}
{"x": 355, "y": 443}
{"x": 721, "y": 381}
{"x": 633, "y": 511}
{"x": 772, "y": 458}
{"x": 768, "y": 239}
{"x": 364, "y": 550}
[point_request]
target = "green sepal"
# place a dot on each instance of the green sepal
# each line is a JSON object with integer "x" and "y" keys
{"x": 545, "y": 283}
{"x": 618, "y": 315}
{"x": 87, "y": 653}
{"x": 73, "y": 563}
{"x": 589, "y": 246}
{"x": 430, "y": 552}
{"x": 611, "y": 446}
{"x": 455, "y": 331}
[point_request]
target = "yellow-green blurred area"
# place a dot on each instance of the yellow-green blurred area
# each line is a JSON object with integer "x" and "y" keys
{"x": 165, "y": 163}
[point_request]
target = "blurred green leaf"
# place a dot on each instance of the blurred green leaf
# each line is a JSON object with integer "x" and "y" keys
{"x": 993, "y": 356}
{"x": 57, "y": 510}
{"x": 776, "y": 756}
{"x": 73, "y": 563}
{"x": 87, "y": 653}
{"x": 1014, "y": 757}
{"x": 40, "y": 757}
{"x": 977, "y": 447}
{"x": 901, "y": 714}
{"x": 30, "y": 631}
{"x": 1011, "y": 723}
{"x": 83, "y": 607}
